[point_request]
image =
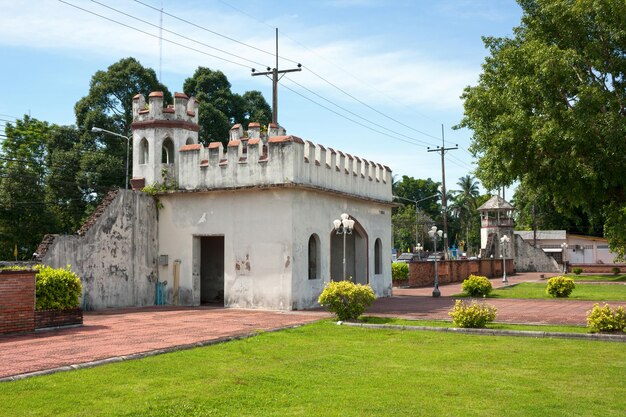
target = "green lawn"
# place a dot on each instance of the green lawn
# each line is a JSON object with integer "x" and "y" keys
{"x": 605, "y": 278}
{"x": 498, "y": 326}
{"x": 592, "y": 292}
{"x": 328, "y": 370}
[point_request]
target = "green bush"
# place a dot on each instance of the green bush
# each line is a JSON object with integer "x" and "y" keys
{"x": 477, "y": 286}
{"x": 615, "y": 270}
{"x": 400, "y": 271}
{"x": 346, "y": 299}
{"x": 560, "y": 287}
{"x": 472, "y": 314}
{"x": 57, "y": 289}
{"x": 605, "y": 319}
{"x": 577, "y": 270}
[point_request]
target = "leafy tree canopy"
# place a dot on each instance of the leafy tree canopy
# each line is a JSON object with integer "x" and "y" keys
{"x": 220, "y": 108}
{"x": 549, "y": 110}
{"x": 109, "y": 103}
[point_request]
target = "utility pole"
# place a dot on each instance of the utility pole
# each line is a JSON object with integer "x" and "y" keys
{"x": 274, "y": 72}
{"x": 444, "y": 203}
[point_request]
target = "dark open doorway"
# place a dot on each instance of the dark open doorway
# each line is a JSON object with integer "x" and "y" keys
{"x": 212, "y": 270}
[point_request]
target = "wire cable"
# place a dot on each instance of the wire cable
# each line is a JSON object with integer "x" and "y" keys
{"x": 176, "y": 33}
{"x": 152, "y": 35}
{"x": 212, "y": 31}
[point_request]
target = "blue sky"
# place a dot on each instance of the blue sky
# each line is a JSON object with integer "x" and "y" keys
{"x": 408, "y": 60}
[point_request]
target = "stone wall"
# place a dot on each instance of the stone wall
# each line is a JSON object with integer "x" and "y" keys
{"x": 116, "y": 257}
{"x": 531, "y": 259}
{"x": 17, "y": 301}
{"x": 422, "y": 274}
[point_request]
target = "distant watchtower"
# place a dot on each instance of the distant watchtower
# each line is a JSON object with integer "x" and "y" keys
{"x": 158, "y": 135}
{"x": 496, "y": 220}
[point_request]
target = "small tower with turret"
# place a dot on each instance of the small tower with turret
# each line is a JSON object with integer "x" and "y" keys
{"x": 496, "y": 220}
{"x": 158, "y": 135}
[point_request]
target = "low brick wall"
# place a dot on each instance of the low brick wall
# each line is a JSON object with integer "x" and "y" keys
{"x": 597, "y": 268}
{"x": 17, "y": 301}
{"x": 56, "y": 318}
{"x": 422, "y": 273}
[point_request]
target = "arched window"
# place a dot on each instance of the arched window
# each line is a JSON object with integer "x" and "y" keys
{"x": 144, "y": 157}
{"x": 190, "y": 142}
{"x": 167, "y": 153}
{"x": 378, "y": 256}
{"x": 314, "y": 257}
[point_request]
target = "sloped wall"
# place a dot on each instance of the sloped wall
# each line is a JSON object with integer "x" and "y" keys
{"x": 116, "y": 256}
{"x": 531, "y": 259}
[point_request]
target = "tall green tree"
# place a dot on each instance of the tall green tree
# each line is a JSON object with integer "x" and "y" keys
{"x": 549, "y": 109}
{"x": 109, "y": 105}
{"x": 404, "y": 220}
{"x": 24, "y": 213}
{"x": 464, "y": 207}
{"x": 220, "y": 108}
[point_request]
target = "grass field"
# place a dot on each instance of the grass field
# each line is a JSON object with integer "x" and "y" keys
{"x": 592, "y": 292}
{"x": 327, "y": 370}
{"x": 498, "y": 326}
{"x": 600, "y": 278}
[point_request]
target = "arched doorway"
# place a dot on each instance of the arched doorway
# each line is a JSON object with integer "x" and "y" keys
{"x": 356, "y": 255}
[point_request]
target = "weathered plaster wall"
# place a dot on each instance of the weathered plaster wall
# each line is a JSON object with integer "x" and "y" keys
{"x": 266, "y": 234}
{"x": 313, "y": 212}
{"x": 256, "y": 225}
{"x": 531, "y": 259}
{"x": 116, "y": 258}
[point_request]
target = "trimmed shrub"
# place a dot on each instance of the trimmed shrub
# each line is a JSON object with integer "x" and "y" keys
{"x": 57, "y": 289}
{"x": 615, "y": 270}
{"x": 346, "y": 299}
{"x": 560, "y": 287}
{"x": 399, "y": 271}
{"x": 472, "y": 314}
{"x": 477, "y": 286}
{"x": 606, "y": 319}
{"x": 577, "y": 270}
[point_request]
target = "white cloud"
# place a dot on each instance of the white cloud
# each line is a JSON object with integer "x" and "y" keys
{"x": 407, "y": 76}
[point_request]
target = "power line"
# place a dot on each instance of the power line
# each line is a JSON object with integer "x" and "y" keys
{"x": 356, "y": 115}
{"x": 350, "y": 119}
{"x": 367, "y": 105}
{"x": 152, "y": 35}
{"x": 212, "y": 31}
{"x": 175, "y": 33}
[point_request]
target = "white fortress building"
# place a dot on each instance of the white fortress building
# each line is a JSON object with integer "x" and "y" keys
{"x": 249, "y": 226}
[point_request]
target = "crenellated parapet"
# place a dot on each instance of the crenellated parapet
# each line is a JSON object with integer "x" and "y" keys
{"x": 184, "y": 110}
{"x": 249, "y": 161}
{"x": 166, "y": 149}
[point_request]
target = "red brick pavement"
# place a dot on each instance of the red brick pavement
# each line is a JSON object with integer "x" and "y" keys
{"x": 123, "y": 332}
{"x": 419, "y": 303}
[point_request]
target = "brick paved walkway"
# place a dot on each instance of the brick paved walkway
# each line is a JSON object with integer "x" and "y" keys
{"x": 129, "y": 331}
{"x": 117, "y": 333}
{"x": 419, "y": 303}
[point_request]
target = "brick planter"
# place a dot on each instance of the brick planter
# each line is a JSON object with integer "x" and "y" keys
{"x": 17, "y": 301}
{"x": 57, "y": 318}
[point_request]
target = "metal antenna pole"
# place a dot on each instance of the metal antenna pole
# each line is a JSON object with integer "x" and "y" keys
{"x": 274, "y": 72}
{"x": 444, "y": 200}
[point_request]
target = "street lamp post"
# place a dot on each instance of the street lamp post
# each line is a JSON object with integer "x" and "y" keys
{"x": 100, "y": 130}
{"x": 434, "y": 235}
{"x": 564, "y": 246}
{"x": 504, "y": 240}
{"x": 344, "y": 227}
{"x": 418, "y": 249}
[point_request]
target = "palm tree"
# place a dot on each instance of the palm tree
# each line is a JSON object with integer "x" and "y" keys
{"x": 464, "y": 203}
